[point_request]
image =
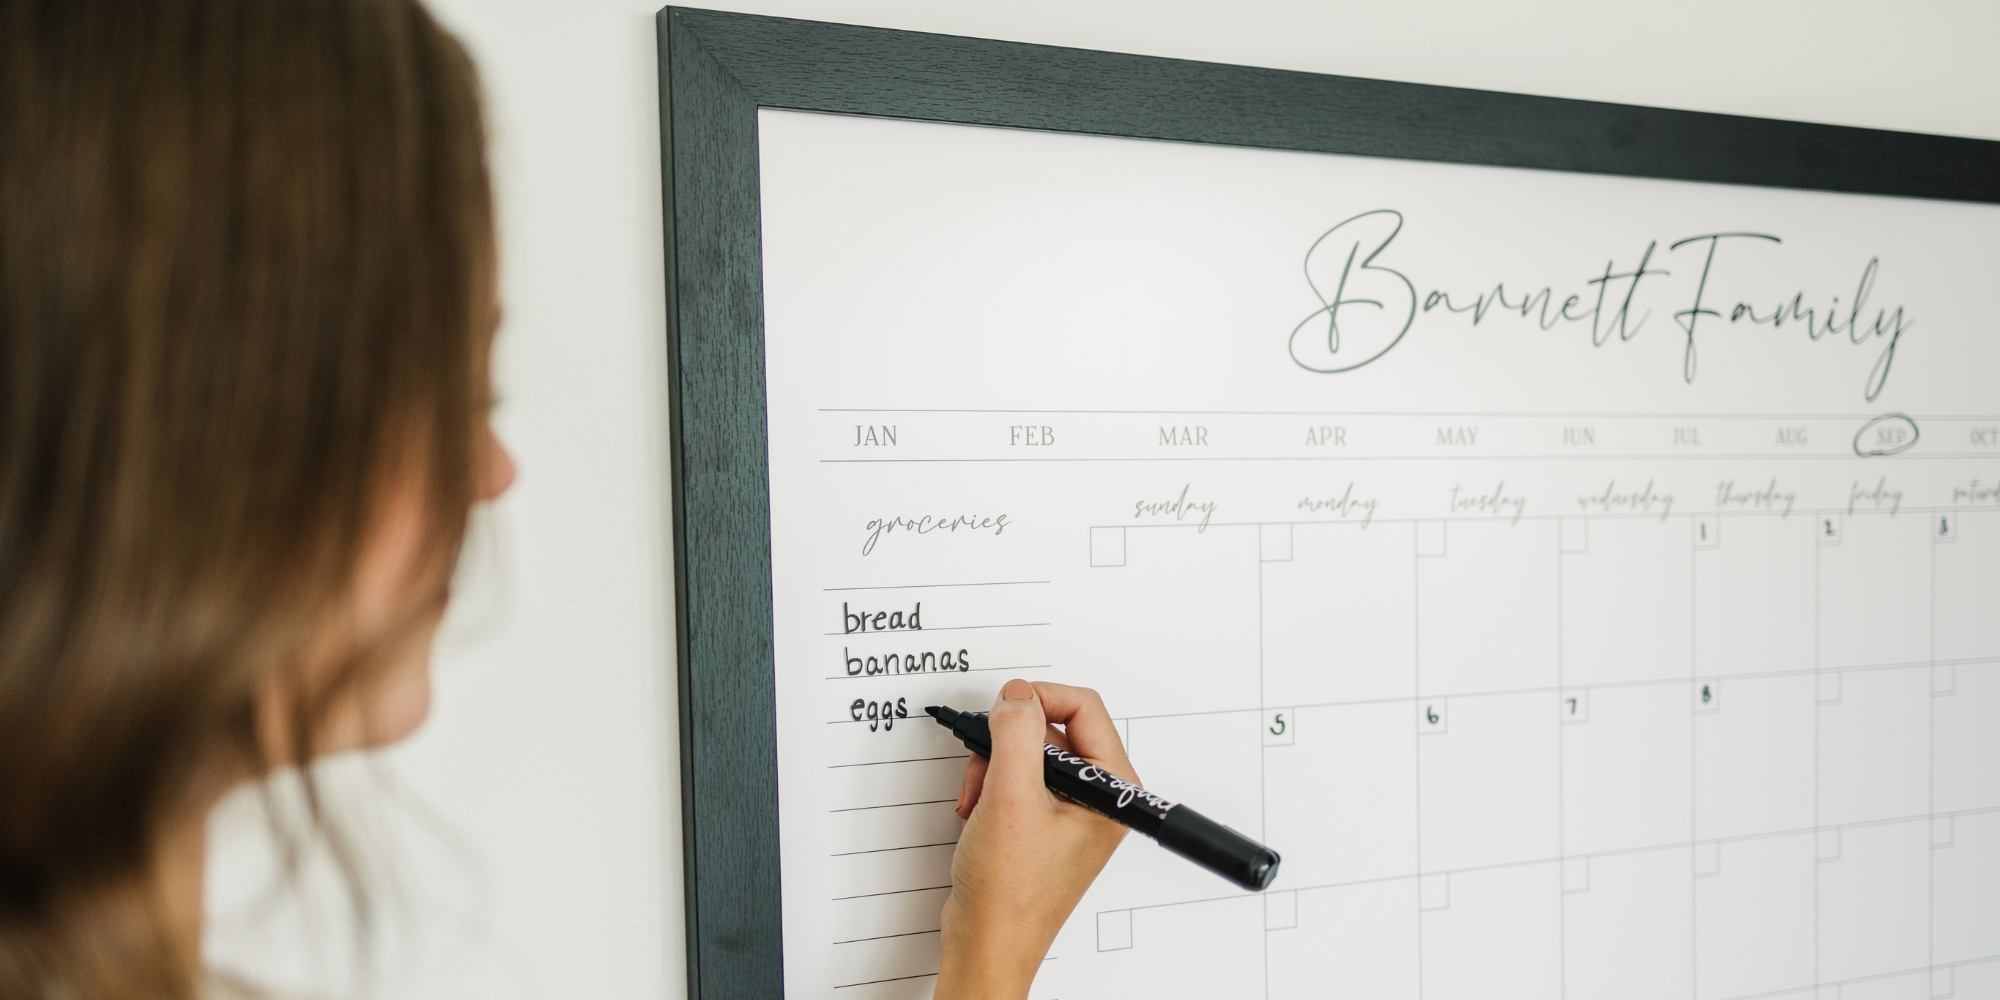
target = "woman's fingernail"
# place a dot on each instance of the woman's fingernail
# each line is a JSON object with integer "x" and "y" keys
{"x": 1017, "y": 690}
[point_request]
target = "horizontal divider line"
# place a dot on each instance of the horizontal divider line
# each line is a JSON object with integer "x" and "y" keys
{"x": 892, "y": 805}
{"x": 897, "y": 979}
{"x": 1502, "y": 865}
{"x": 1863, "y": 418}
{"x": 892, "y": 892}
{"x": 884, "y": 937}
{"x": 935, "y": 673}
{"x": 906, "y": 760}
{"x": 942, "y": 628}
{"x": 1795, "y": 513}
{"x": 1734, "y": 457}
{"x": 885, "y": 850}
{"x": 1644, "y": 682}
{"x": 1864, "y": 979}
{"x": 932, "y": 586}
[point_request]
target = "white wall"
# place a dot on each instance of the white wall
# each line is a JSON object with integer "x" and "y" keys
{"x": 552, "y": 751}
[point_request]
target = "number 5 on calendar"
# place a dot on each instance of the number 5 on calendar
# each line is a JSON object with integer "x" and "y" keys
{"x": 1279, "y": 728}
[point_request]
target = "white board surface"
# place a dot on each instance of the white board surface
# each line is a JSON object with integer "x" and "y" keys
{"x": 1560, "y": 649}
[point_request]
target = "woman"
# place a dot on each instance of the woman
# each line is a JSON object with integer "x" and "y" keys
{"x": 247, "y": 302}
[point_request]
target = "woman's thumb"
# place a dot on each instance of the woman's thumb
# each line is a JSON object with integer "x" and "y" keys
{"x": 1017, "y": 725}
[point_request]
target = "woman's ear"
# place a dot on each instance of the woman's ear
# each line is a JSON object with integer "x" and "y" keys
{"x": 342, "y": 705}
{"x": 389, "y": 706}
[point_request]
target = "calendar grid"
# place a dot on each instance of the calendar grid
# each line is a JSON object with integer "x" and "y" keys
{"x": 1830, "y": 677}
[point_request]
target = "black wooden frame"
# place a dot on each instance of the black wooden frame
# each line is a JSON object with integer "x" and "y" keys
{"x": 717, "y": 69}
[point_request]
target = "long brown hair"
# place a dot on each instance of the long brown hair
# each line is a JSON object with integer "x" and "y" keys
{"x": 244, "y": 248}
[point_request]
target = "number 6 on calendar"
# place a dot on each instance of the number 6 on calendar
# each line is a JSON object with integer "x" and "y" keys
{"x": 1431, "y": 717}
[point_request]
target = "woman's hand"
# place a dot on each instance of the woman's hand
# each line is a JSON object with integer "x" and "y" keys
{"x": 1026, "y": 856}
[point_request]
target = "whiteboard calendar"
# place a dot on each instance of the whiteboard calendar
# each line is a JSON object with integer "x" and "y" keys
{"x": 1589, "y": 585}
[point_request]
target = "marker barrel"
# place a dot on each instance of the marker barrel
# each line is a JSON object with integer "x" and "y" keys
{"x": 1176, "y": 827}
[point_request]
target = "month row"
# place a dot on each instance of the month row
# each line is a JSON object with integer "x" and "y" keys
{"x": 1003, "y": 436}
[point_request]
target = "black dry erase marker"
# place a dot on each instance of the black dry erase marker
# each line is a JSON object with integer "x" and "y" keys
{"x": 1178, "y": 828}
